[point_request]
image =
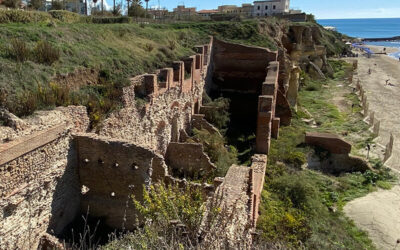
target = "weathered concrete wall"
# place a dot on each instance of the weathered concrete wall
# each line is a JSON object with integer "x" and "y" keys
{"x": 39, "y": 185}
{"x": 113, "y": 170}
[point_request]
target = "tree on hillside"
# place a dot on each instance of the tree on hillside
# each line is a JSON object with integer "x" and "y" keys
{"x": 136, "y": 9}
{"x": 117, "y": 11}
{"x": 57, "y": 5}
{"x": 35, "y": 4}
{"x": 12, "y": 3}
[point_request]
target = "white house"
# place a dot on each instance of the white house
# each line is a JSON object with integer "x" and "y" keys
{"x": 270, "y": 7}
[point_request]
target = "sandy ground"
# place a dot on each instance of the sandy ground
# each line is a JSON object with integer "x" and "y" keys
{"x": 383, "y": 99}
{"x": 379, "y": 213}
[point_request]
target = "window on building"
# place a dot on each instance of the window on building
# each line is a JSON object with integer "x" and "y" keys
{"x": 274, "y": 7}
{"x": 266, "y": 7}
{"x": 258, "y": 14}
{"x": 266, "y": 14}
{"x": 258, "y": 7}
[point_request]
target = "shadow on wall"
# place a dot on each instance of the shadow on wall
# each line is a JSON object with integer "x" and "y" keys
{"x": 66, "y": 199}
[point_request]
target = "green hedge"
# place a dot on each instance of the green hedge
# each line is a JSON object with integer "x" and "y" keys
{"x": 20, "y": 16}
{"x": 105, "y": 20}
{"x": 65, "y": 16}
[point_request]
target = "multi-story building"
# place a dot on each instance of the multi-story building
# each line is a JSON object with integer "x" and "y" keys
{"x": 270, "y": 7}
{"x": 206, "y": 14}
{"x": 245, "y": 10}
{"x": 181, "y": 10}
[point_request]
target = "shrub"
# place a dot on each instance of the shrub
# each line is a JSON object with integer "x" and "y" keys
{"x": 296, "y": 158}
{"x": 65, "y": 16}
{"x": 167, "y": 52}
{"x": 110, "y": 20}
{"x": 149, "y": 47}
{"x": 19, "y": 50}
{"x": 214, "y": 146}
{"x": 163, "y": 204}
{"x": 12, "y": 3}
{"x": 57, "y": 5}
{"x": 298, "y": 190}
{"x": 19, "y": 16}
{"x": 218, "y": 113}
{"x": 171, "y": 44}
{"x": 45, "y": 53}
{"x": 313, "y": 86}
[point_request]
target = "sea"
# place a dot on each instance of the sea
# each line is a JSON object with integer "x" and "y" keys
{"x": 368, "y": 28}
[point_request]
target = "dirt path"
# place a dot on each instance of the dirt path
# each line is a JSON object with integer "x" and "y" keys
{"x": 378, "y": 213}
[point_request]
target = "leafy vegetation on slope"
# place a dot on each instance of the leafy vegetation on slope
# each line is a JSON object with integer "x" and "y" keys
{"x": 116, "y": 51}
{"x": 304, "y": 207}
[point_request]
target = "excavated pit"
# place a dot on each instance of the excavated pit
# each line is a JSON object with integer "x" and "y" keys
{"x": 238, "y": 74}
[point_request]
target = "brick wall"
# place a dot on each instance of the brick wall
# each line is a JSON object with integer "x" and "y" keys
{"x": 39, "y": 185}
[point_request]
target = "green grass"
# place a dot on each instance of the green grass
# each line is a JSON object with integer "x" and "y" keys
{"x": 118, "y": 51}
{"x": 304, "y": 207}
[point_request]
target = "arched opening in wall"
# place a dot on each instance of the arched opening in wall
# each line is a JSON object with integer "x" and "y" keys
{"x": 196, "y": 107}
{"x": 175, "y": 129}
{"x": 162, "y": 141}
{"x": 188, "y": 115}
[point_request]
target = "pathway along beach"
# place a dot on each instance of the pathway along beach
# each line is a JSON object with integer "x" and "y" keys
{"x": 378, "y": 213}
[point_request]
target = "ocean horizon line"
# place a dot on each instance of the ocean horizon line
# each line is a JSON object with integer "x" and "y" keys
{"x": 360, "y": 18}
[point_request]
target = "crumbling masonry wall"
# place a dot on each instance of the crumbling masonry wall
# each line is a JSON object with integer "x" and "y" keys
{"x": 167, "y": 101}
{"x": 51, "y": 169}
{"x": 39, "y": 187}
{"x": 112, "y": 171}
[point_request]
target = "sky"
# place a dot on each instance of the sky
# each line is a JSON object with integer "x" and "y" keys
{"x": 322, "y": 9}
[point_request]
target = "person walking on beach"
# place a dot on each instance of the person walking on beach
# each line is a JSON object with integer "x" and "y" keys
{"x": 369, "y": 71}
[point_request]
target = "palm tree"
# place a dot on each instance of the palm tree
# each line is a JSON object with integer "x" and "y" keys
{"x": 147, "y": 6}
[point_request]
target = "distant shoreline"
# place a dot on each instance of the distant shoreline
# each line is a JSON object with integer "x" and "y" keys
{"x": 388, "y": 39}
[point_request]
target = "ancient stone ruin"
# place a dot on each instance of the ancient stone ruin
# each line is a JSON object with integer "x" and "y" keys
{"x": 52, "y": 168}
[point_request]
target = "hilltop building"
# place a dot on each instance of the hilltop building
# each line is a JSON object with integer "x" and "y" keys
{"x": 245, "y": 10}
{"x": 270, "y": 7}
{"x": 181, "y": 10}
{"x": 206, "y": 14}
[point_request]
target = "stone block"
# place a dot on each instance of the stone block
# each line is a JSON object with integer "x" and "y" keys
{"x": 275, "y": 128}
{"x": 265, "y": 103}
{"x": 263, "y": 133}
{"x": 330, "y": 142}
{"x": 268, "y": 89}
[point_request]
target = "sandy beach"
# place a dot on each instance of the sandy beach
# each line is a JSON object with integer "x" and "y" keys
{"x": 383, "y": 99}
{"x": 378, "y": 213}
